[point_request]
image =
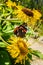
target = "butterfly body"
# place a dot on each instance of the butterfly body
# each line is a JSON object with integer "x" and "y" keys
{"x": 21, "y": 30}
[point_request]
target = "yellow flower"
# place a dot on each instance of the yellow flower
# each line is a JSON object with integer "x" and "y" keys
{"x": 37, "y": 14}
{"x": 30, "y": 19}
{"x": 18, "y": 49}
{"x": 10, "y": 3}
{"x": 19, "y": 7}
{"x": 21, "y": 15}
{"x": 28, "y": 16}
{"x": 14, "y": 4}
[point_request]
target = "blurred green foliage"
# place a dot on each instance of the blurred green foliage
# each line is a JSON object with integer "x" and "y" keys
{"x": 4, "y": 57}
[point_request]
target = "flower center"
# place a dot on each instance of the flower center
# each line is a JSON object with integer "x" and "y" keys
{"x": 22, "y": 47}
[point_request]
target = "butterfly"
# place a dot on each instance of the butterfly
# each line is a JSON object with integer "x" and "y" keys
{"x": 21, "y": 30}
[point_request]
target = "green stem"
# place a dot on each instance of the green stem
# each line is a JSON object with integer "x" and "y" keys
{"x": 4, "y": 41}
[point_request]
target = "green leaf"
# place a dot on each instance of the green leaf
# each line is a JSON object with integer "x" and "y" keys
{"x": 30, "y": 56}
{"x": 6, "y": 36}
{"x": 38, "y": 54}
{"x": 2, "y": 44}
{"x": 4, "y": 57}
{"x": 27, "y": 62}
{"x": 18, "y": 64}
